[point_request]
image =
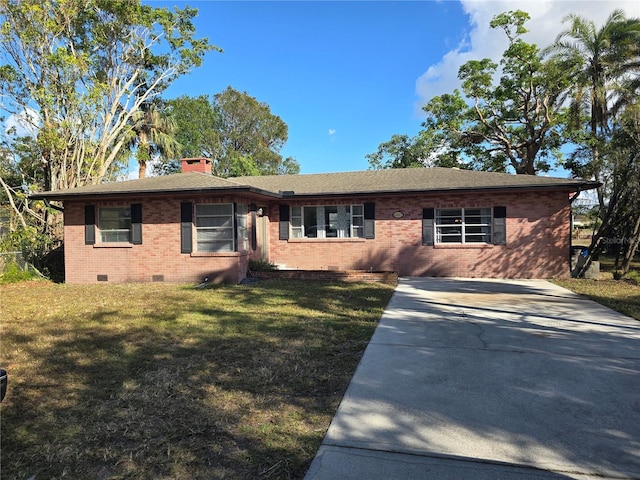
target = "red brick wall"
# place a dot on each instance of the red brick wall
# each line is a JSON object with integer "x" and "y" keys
{"x": 537, "y": 242}
{"x": 158, "y": 255}
{"x": 537, "y": 239}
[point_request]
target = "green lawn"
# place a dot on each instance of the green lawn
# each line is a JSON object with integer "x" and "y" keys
{"x": 158, "y": 381}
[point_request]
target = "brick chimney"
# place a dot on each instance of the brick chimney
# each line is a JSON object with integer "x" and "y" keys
{"x": 199, "y": 165}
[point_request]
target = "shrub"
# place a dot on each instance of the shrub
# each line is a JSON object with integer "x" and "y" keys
{"x": 32, "y": 245}
{"x": 13, "y": 273}
{"x": 261, "y": 266}
{"x": 633, "y": 276}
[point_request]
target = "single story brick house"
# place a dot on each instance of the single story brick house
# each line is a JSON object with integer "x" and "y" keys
{"x": 417, "y": 222}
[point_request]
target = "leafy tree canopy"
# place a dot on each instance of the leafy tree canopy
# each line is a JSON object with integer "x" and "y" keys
{"x": 76, "y": 73}
{"x": 507, "y": 115}
{"x": 402, "y": 151}
{"x": 238, "y": 132}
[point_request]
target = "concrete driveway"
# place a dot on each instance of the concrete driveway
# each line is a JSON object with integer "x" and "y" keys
{"x": 490, "y": 379}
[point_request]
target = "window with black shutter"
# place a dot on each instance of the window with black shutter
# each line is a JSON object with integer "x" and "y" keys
{"x": 370, "y": 220}
{"x": 284, "y": 222}
{"x": 89, "y": 224}
{"x": 428, "y": 216}
{"x": 500, "y": 225}
{"x": 186, "y": 225}
{"x": 136, "y": 223}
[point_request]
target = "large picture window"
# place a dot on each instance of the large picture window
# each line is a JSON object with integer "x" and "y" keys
{"x": 330, "y": 221}
{"x": 463, "y": 225}
{"x": 114, "y": 224}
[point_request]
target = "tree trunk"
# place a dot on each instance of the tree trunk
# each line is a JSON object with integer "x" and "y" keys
{"x": 142, "y": 168}
{"x": 634, "y": 240}
{"x": 143, "y": 153}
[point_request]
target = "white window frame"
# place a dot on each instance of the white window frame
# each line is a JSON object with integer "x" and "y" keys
{"x": 450, "y": 224}
{"x": 114, "y": 235}
{"x": 354, "y": 216}
{"x": 242, "y": 226}
{"x": 231, "y": 227}
{"x": 216, "y": 224}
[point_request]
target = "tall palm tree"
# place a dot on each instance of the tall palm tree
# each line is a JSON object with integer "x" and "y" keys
{"x": 604, "y": 56}
{"x": 152, "y": 134}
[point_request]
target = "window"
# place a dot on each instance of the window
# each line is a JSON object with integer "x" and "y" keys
{"x": 214, "y": 228}
{"x": 114, "y": 224}
{"x": 243, "y": 230}
{"x": 463, "y": 225}
{"x": 331, "y": 221}
{"x": 221, "y": 227}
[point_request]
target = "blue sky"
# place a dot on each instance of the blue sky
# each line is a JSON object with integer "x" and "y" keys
{"x": 342, "y": 75}
{"x": 345, "y": 76}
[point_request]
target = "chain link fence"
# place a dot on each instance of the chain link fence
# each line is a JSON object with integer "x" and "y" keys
{"x": 13, "y": 257}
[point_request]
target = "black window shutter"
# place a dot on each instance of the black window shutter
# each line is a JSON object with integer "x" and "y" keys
{"x": 254, "y": 226}
{"x": 136, "y": 223}
{"x": 499, "y": 225}
{"x": 284, "y": 222}
{"x": 186, "y": 222}
{"x": 235, "y": 226}
{"x": 428, "y": 214}
{"x": 370, "y": 220}
{"x": 89, "y": 224}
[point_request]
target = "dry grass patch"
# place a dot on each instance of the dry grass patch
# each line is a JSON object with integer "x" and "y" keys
{"x": 620, "y": 295}
{"x": 162, "y": 381}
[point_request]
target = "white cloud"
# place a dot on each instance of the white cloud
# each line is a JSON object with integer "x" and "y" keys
{"x": 482, "y": 41}
{"x": 23, "y": 124}
{"x": 331, "y": 131}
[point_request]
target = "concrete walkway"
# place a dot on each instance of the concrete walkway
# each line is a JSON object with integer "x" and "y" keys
{"x": 490, "y": 379}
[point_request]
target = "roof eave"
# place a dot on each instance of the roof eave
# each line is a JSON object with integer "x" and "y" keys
{"x": 570, "y": 187}
{"x": 55, "y": 196}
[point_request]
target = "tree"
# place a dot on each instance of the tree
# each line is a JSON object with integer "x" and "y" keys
{"x": 628, "y": 137}
{"x": 620, "y": 226}
{"x": 250, "y": 137}
{"x": 603, "y": 56}
{"x": 196, "y": 130}
{"x": 79, "y": 72}
{"x": 239, "y": 133}
{"x": 514, "y": 122}
{"x": 152, "y": 135}
{"x": 604, "y": 122}
{"x": 402, "y": 151}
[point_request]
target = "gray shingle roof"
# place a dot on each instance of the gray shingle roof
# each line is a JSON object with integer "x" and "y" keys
{"x": 405, "y": 180}
{"x": 176, "y": 183}
{"x": 394, "y": 181}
